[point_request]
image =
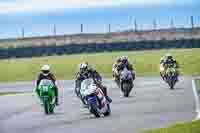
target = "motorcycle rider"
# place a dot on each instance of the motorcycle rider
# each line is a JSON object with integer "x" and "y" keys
{"x": 169, "y": 61}
{"x": 115, "y": 71}
{"x": 125, "y": 63}
{"x": 162, "y": 68}
{"x": 46, "y": 74}
{"x": 86, "y": 72}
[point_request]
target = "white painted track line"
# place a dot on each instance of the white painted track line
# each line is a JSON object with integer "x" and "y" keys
{"x": 196, "y": 97}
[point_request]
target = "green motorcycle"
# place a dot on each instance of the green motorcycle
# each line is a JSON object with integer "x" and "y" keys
{"x": 46, "y": 93}
{"x": 171, "y": 76}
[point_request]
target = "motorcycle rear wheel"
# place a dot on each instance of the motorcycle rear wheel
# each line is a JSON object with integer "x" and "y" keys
{"x": 125, "y": 89}
{"x": 46, "y": 107}
{"x": 51, "y": 109}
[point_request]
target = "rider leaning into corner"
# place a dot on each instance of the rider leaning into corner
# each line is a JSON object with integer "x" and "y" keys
{"x": 162, "y": 68}
{"x": 121, "y": 63}
{"x": 86, "y": 72}
{"x": 164, "y": 64}
{"x": 46, "y": 74}
{"x": 114, "y": 68}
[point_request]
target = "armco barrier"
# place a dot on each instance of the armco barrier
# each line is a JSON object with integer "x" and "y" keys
{"x": 34, "y": 51}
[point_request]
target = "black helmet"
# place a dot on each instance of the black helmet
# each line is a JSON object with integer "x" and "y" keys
{"x": 124, "y": 59}
{"x": 169, "y": 56}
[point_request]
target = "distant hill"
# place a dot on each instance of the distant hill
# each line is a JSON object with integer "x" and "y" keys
{"x": 124, "y": 36}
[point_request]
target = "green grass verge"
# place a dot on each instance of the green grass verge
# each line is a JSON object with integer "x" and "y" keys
{"x": 10, "y": 93}
{"x": 198, "y": 85}
{"x": 190, "y": 127}
{"x": 145, "y": 62}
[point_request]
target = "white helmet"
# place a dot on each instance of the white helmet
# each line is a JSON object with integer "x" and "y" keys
{"x": 83, "y": 66}
{"x": 45, "y": 70}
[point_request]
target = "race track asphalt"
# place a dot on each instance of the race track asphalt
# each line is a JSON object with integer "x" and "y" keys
{"x": 151, "y": 105}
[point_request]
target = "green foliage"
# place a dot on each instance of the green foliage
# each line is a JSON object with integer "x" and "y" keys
{"x": 10, "y": 93}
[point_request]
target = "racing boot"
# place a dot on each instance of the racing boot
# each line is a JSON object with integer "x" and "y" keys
{"x": 108, "y": 99}
{"x": 104, "y": 89}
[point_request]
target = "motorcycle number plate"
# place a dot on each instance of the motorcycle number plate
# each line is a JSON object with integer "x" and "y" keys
{"x": 45, "y": 88}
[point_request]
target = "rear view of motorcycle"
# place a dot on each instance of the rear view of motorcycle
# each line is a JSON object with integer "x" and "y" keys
{"x": 46, "y": 94}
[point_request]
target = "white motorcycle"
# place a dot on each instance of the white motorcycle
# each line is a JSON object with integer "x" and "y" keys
{"x": 95, "y": 98}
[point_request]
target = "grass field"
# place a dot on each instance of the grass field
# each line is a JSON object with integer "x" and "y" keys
{"x": 10, "y": 93}
{"x": 146, "y": 63}
{"x": 190, "y": 127}
{"x": 198, "y": 85}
